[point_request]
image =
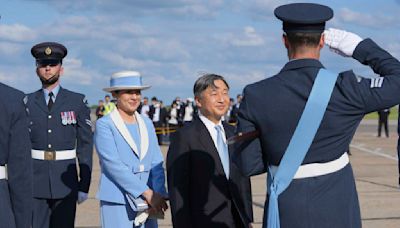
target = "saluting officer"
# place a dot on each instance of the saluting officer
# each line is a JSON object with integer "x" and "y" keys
{"x": 15, "y": 162}
{"x": 322, "y": 192}
{"x": 60, "y": 132}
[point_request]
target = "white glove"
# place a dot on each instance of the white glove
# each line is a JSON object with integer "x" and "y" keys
{"x": 341, "y": 42}
{"x": 82, "y": 196}
{"x": 141, "y": 218}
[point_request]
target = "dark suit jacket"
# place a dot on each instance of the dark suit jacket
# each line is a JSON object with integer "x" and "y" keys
{"x": 200, "y": 194}
{"x": 15, "y": 151}
{"x": 57, "y": 179}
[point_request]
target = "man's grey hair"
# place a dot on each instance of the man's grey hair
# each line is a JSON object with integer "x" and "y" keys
{"x": 205, "y": 81}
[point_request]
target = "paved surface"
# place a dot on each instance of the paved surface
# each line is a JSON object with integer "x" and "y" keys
{"x": 374, "y": 161}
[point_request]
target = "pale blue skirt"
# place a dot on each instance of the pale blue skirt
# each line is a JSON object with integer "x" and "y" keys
{"x": 115, "y": 215}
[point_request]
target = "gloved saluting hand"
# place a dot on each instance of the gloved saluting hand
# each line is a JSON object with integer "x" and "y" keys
{"x": 341, "y": 42}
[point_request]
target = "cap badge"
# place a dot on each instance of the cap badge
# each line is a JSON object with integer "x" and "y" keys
{"x": 47, "y": 51}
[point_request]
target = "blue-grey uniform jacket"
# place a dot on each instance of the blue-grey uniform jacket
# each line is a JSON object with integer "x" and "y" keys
{"x": 15, "y": 151}
{"x": 274, "y": 106}
{"x": 57, "y": 179}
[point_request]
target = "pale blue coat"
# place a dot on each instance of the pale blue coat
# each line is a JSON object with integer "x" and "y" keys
{"x": 122, "y": 171}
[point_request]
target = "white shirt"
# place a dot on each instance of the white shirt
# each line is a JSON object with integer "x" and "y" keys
{"x": 156, "y": 116}
{"x": 55, "y": 93}
{"x": 188, "y": 113}
{"x": 145, "y": 110}
{"x": 173, "y": 115}
{"x": 211, "y": 129}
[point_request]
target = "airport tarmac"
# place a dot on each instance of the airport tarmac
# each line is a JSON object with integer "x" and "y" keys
{"x": 374, "y": 162}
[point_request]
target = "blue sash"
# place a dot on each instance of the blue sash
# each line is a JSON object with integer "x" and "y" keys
{"x": 300, "y": 141}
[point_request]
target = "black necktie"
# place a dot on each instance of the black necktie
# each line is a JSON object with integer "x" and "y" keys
{"x": 50, "y": 104}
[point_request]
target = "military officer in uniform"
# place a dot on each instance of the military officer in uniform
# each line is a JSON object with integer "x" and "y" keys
{"x": 15, "y": 162}
{"x": 322, "y": 192}
{"x": 60, "y": 132}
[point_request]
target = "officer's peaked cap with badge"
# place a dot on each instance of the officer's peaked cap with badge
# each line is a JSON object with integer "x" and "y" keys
{"x": 303, "y": 17}
{"x": 49, "y": 51}
{"x": 126, "y": 80}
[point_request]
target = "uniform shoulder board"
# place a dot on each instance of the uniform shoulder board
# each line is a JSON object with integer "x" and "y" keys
{"x": 376, "y": 82}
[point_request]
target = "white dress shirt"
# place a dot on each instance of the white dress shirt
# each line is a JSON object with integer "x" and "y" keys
{"x": 211, "y": 129}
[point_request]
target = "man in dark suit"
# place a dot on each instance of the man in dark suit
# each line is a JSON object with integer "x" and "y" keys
{"x": 15, "y": 161}
{"x": 383, "y": 121}
{"x": 322, "y": 192}
{"x": 60, "y": 132}
{"x": 206, "y": 189}
{"x": 235, "y": 109}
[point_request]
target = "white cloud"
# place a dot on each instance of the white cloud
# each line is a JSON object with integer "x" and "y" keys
{"x": 174, "y": 8}
{"x": 394, "y": 49}
{"x": 10, "y": 49}
{"x": 249, "y": 38}
{"x": 22, "y": 77}
{"x": 260, "y": 9}
{"x": 75, "y": 72}
{"x": 16, "y": 32}
{"x": 164, "y": 49}
{"x": 95, "y": 28}
{"x": 126, "y": 62}
{"x": 375, "y": 20}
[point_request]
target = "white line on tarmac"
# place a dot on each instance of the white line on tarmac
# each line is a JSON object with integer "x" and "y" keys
{"x": 375, "y": 152}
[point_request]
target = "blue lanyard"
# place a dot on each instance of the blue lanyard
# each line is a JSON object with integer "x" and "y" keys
{"x": 300, "y": 142}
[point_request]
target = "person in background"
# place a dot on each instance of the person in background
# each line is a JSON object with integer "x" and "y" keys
{"x": 173, "y": 116}
{"x": 132, "y": 182}
{"x": 164, "y": 120}
{"x": 235, "y": 109}
{"x": 100, "y": 109}
{"x": 179, "y": 107}
{"x": 108, "y": 105}
{"x": 155, "y": 116}
{"x": 383, "y": 120}
{"x": 189, "y": 111}
{"x": 145, "y": 108}
{"x": 228, "y": 117}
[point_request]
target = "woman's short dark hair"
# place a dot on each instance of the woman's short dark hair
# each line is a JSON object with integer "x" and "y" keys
{"x": 206, "y": 81}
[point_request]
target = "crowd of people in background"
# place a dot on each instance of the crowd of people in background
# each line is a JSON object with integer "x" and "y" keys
{"x": 167, "y": 119}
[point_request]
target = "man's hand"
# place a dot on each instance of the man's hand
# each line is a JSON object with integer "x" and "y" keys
{"x": 341, "y": 42}
{"x": 82, "y": 196}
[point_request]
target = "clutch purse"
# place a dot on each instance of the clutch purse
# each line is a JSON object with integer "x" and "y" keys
{"x": 137, "y": 204}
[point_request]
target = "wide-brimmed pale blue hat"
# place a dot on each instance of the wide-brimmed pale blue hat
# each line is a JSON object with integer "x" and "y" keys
{"x": 126, "y": 80}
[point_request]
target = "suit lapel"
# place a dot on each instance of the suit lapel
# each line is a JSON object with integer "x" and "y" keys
{"x": 40, "y": 101}
{"x": 229, "y": 132}
{"x": 208, "y": 144}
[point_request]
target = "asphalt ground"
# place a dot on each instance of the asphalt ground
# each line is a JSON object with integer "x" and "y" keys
{"x": 374, "y": 162}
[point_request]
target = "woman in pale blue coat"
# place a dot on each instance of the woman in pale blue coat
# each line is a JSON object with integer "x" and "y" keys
{"x": 132, "y": 184}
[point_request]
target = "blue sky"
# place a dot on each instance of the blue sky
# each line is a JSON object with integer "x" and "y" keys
{"x": 172, "y": 42}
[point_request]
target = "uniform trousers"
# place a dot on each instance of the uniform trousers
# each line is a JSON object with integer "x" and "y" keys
{"x": 54, "y": 213}
{"x": 5, "y": 206}
{"x": 114, "y": 215}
